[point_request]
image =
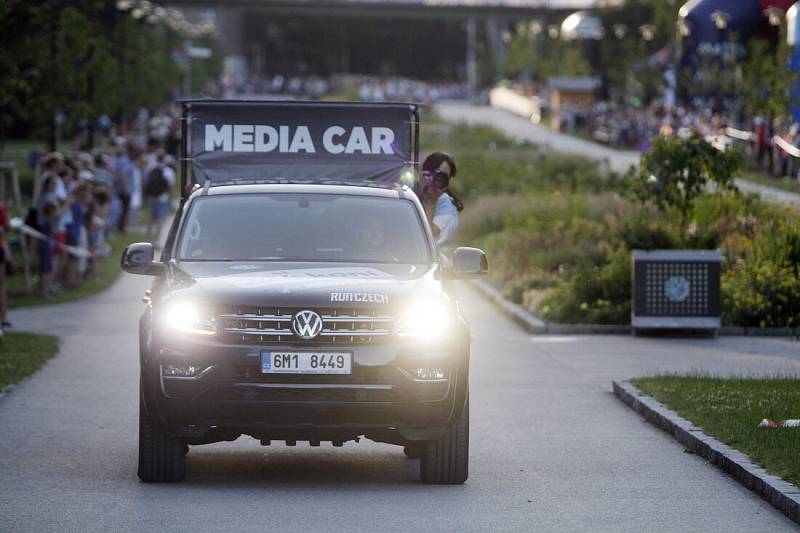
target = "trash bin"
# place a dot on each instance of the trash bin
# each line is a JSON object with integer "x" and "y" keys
{"x": 676, "y": 290}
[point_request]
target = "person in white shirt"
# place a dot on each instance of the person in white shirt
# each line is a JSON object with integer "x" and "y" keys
{"x": 441, "y": 205}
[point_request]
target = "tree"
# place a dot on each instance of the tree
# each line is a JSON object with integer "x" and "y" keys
{"x": 623, "y": 46}
{"x": 79, "y": 59}
{"x": 535, "y": 55}
{"x": 675, "y": 172}
{"x": 767, "y": 81}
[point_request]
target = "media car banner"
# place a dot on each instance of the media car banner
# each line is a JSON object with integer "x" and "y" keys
{"x": 300, "y": 141}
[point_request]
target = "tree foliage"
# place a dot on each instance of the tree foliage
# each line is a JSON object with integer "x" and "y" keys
{"x": 766, "y": 81}
{"x": 79, "y": 59}
{"x": 623, "y": 57}
{"x": 534, "y": 55}
{"x": 676, "y": 172}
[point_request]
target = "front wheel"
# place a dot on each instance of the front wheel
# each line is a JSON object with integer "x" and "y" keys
{"x": 161, "y": 457}
{"x": 446, "y": 461}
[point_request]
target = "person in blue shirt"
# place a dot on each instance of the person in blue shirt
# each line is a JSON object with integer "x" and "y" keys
{"x": 433, "y": 189}
{"x": 124, "y": 182}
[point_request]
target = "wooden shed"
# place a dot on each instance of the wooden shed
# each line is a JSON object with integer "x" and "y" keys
{"x": 568, "y": 94}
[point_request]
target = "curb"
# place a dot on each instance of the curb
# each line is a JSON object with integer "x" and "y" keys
{"x": 739, "y": 331}
{"x": 782, "y": 495}
{"x": 534, "y": 324}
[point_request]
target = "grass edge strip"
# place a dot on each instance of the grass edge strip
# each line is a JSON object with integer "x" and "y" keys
{"x": 781, "y": 494}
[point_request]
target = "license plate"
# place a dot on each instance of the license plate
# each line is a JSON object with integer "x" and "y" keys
{"x": 306, "y": 363}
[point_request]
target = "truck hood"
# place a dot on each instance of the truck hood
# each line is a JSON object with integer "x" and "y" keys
{"x": 278, "y": 284}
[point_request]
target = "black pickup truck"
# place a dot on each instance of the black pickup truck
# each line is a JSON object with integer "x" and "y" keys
{"x": 303, "y": 312}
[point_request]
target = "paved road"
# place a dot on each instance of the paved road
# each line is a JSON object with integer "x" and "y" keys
{"x": 552, "y": 450}
{"x": 618, "y": 160}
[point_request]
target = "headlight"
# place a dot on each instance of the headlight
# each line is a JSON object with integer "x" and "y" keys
{"x": 431, "y": 319}
{"x": 189, "y": 318}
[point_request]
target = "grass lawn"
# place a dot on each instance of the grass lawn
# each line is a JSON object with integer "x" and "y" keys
{"x": 786, "y": 184}
{"x": 730, "y": 410}
{"x": 107, "y": 272}
{"x": 21, "y": 354}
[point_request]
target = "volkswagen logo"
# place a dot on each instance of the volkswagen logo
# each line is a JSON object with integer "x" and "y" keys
{"x": 306, "y": 324}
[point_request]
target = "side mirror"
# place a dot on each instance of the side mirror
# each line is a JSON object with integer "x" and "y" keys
{"x": 468, "y": 263}
{"x": 138, "y": 259}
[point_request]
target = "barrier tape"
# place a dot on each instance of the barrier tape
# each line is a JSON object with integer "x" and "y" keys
{"x": 747, "y": 136}
{"x": 18, "y": 224}
{"x": 740, "y": 134}
{"x": 786, "y": 146}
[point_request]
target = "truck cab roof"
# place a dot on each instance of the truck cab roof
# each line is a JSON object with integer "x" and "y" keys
{"x": 303, "y": 188}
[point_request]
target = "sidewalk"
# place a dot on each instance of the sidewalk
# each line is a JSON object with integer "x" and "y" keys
{"x": 618, "y": 160}
{"x": 64, "y": 319}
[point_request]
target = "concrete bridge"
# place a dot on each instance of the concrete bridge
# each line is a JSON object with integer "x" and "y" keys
{"x": 372, "y": 36}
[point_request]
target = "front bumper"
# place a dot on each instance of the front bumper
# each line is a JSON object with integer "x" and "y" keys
{"x": 382, "y": 392}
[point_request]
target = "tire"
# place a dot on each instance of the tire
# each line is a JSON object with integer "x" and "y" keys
{"x": 446, "y": 461}
{"x": 161, "y": 457}
{"x": 414, "y": 450}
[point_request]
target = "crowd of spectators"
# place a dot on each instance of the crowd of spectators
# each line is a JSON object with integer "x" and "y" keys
{"x": 364, "y": 88}
{"x": 278, "y": 84}
{"x": 374, "y": 89}
{"x": 81, "y": 198}
{"x": 767, "y": 143}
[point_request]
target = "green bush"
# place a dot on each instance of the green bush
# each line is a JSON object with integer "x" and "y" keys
{"x": 559, "y": 233}
{"x": 646, "y": 231}
{"x": 518, "y": 288}
{"x": 677, "y": 171}
{"x": 552, "y": 233}
{"x": 763, "y": 289}
{"x": 761, "y": 294}
{"x": 491, "y": 163}
{"x": 593, "y": 294}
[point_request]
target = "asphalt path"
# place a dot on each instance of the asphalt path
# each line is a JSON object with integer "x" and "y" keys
{"x": 551, "y": 448}
{"x": 618, "y": 160}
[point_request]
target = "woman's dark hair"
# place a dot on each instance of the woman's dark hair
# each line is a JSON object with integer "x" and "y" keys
{"x": 433, "y": 162}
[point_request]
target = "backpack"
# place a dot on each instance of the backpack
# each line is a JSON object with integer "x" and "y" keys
{"x": 156, "y": 184}
{"x": 32, "y": 218}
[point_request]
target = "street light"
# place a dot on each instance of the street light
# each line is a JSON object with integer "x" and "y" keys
{"x": 648, "y": 32}
{"x": 552, "y": 31}
{"x": 535, "y": 27}
{"x": 124, "y": 5}
{"x": 620, "y": 31}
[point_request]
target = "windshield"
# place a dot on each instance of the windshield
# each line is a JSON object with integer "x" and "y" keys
{"x": 303, "y": 227}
